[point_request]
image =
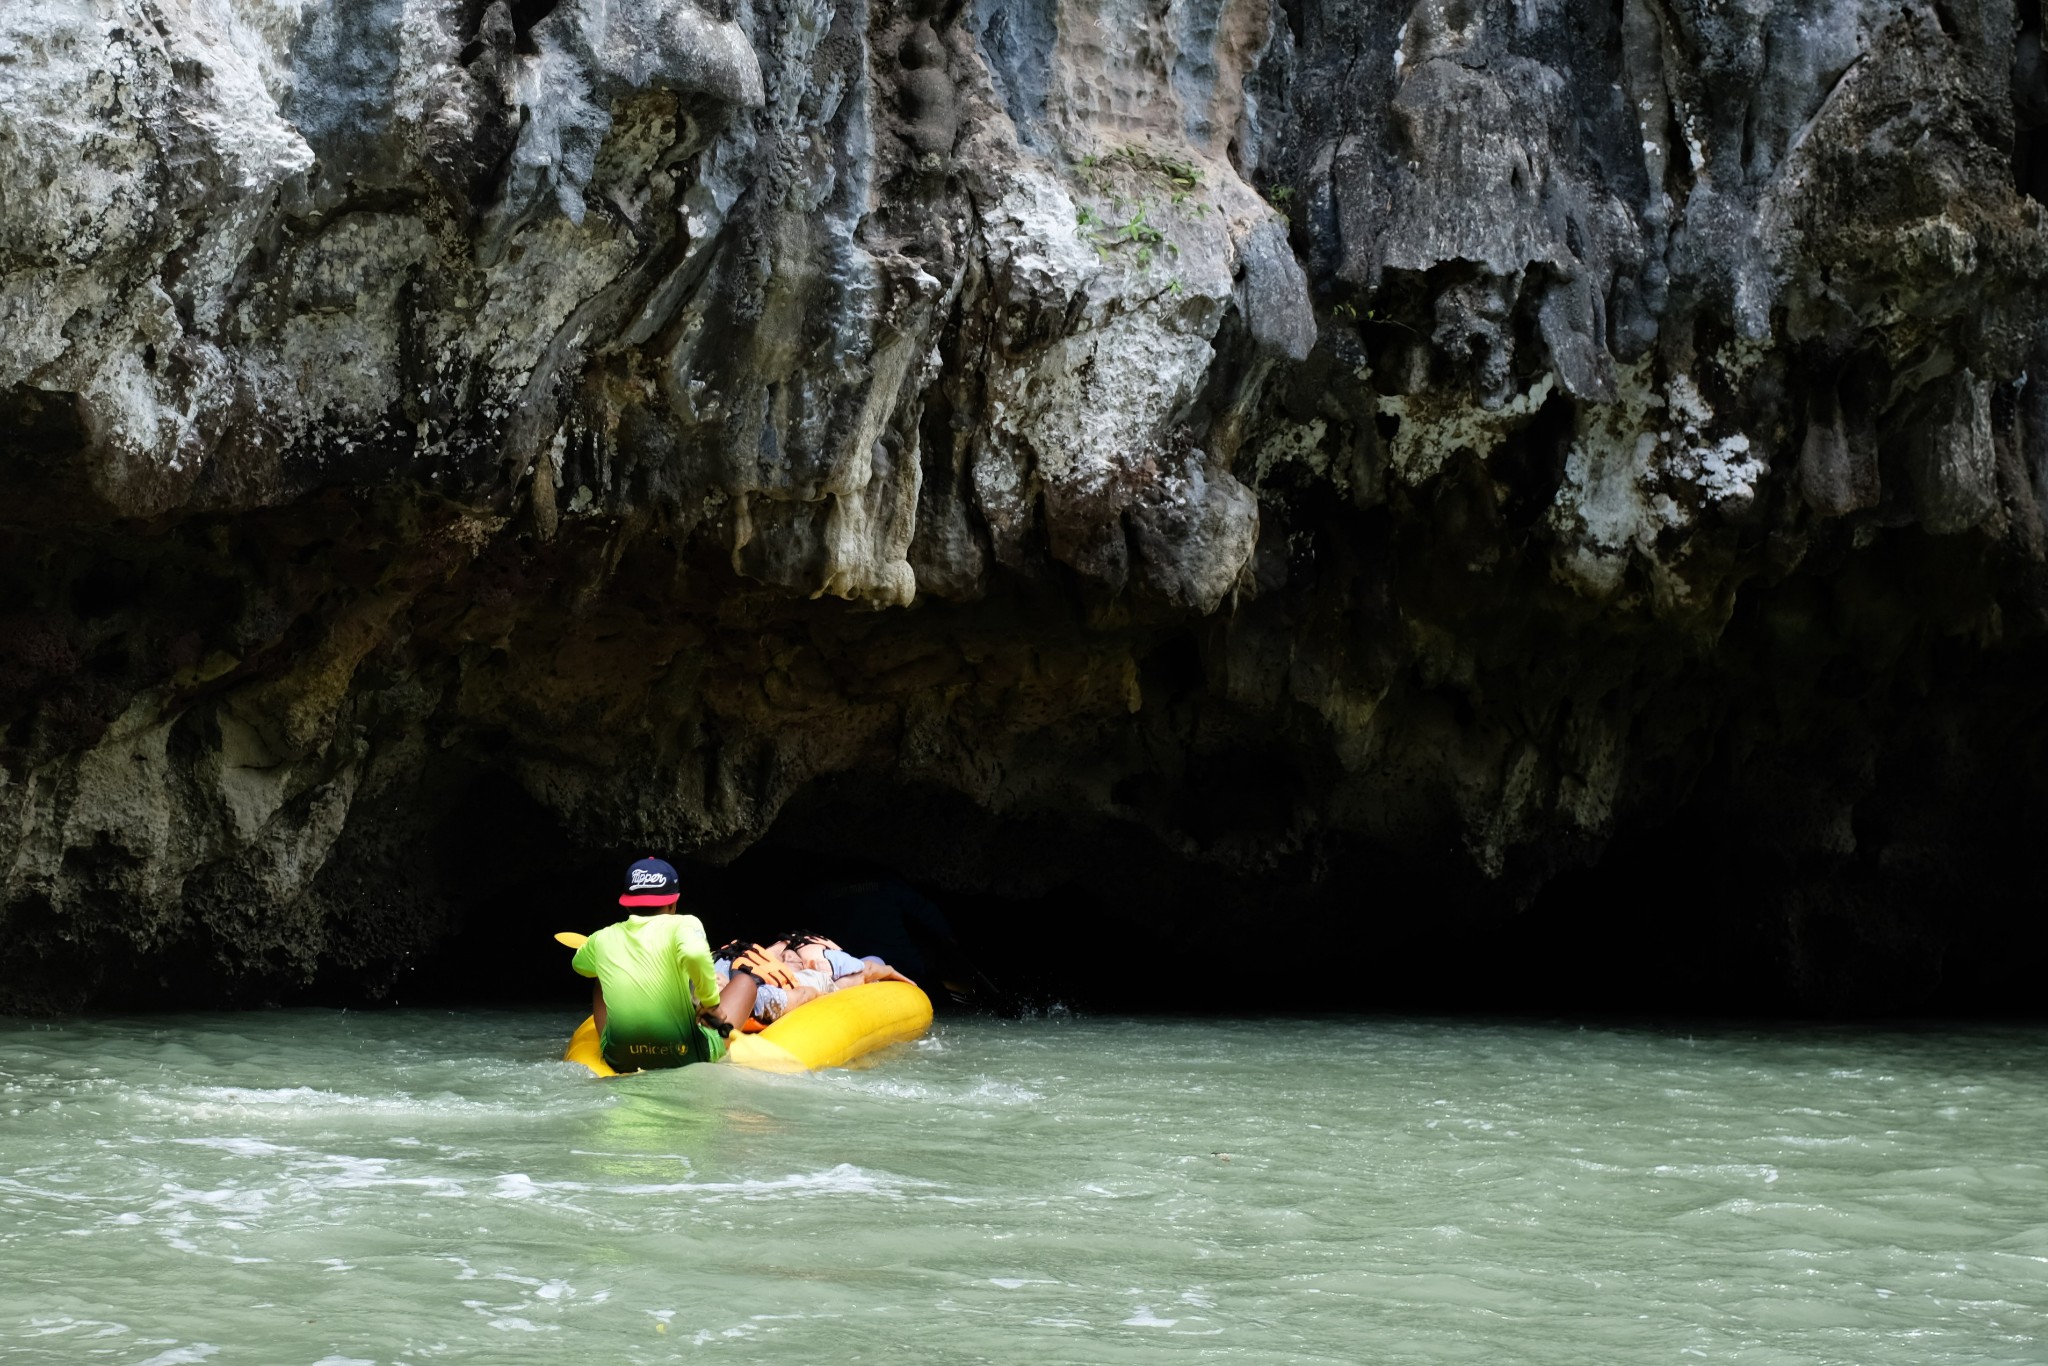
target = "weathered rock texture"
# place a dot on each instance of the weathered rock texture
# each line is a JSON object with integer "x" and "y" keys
{"x": 1364, "y": 460}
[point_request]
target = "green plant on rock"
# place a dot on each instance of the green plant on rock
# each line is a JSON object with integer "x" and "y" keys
{"x": 1178, "y": 176}
{"x": 1128, "y": 223}
{"x": 1178, "y": 172}
{"x": 1135, "y": 229}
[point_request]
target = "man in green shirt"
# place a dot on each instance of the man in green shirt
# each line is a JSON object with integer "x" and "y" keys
{"x": 657, "y": 1002}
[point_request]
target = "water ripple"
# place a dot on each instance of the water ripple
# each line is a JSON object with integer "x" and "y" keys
{"x": 317, "y": 1189}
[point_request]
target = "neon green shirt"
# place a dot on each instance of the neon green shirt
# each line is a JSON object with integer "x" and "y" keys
{"x": 656, "y": 974}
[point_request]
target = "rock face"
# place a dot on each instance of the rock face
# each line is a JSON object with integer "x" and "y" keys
{"x": 1346, "y": 458}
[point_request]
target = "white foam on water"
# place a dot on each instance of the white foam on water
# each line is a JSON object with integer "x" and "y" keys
{"x": 41, "y": 1328}
{"x": 240, "y": 1147}
{"x": 871, "y": 1085}
{"x": 1145, "y": 1318}
{"x": 182, "y": 1356}
{"x": 226, "y": 1200}
{"x": 983, "y": 1091}
{"x": 683, "y": 1158}
{"x": 515, "y": 1186}
{"x": 340, "y": 1171}
{"x": 213, "y": 1102}
{"x": 844, "y": 1179}
{"x": 1007, "y": 1093}
{"x": 43, "y": 1193}
{"x": 1698, "y": 1170}
{"x": 253, "y": 1095}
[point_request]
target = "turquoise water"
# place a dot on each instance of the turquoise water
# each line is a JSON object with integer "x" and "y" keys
{"x": 301, "y": 1188}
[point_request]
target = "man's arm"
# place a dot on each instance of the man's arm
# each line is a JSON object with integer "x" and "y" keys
{"x": 585, "y": 962}
{"x": 695, "y": 952}
{"x": 841, "y": 963}
{"x": 848, "y": 971}
{"x": 736, "y": 1000}
{"x": 875, "y": 970}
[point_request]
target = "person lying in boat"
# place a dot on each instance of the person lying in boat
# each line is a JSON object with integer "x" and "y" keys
{"x": 658, "y": 1002}
{"x": 819, "y": 954}
{"x": 795, "y": 969}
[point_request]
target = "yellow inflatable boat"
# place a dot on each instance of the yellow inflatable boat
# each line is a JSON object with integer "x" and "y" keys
{"x": 829, "y": 1032}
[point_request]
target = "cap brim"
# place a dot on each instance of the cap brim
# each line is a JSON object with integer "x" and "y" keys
{"x": 669, "y": 900}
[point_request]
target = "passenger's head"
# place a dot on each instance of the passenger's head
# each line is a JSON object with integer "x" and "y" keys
{"x": 653, "y": 883}
{"x": 803, "y": 949}
{"x": 734, "y": 948}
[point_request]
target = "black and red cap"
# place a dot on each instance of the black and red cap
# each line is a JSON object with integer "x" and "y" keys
{"x": 651, "y": 882}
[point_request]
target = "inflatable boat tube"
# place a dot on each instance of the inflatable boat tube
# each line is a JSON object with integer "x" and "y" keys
{"x": 831, "y": 1031}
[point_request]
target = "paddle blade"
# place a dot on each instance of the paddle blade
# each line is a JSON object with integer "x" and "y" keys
{"x": 569, "y": 939}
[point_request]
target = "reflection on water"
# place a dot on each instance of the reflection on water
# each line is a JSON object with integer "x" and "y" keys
{"x": 322, "y": 1189}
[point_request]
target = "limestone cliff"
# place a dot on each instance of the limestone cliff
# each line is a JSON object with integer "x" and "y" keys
{"x": 1342, "y": 457}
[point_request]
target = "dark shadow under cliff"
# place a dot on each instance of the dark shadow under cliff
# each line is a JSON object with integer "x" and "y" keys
{"x": 1032, "y": 913}
{"x": 1828, "y": 809}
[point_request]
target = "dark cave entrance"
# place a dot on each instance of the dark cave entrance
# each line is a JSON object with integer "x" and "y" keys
{"x": 1012, "y": 912}
{"x": 968, "y": 902}
{"x": 1046, "y": 909}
